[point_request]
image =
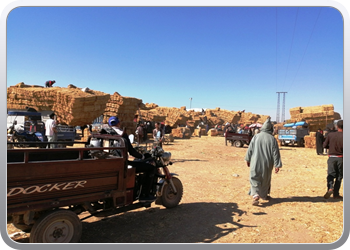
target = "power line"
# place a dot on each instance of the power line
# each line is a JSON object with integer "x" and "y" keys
{"x": 291, "y": 46}
{"x": 307, "y": 45}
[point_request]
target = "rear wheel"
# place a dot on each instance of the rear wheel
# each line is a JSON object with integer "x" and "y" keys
{"x": 238, "y": 144}
{"x": 169, "y": 198}
{"x": 58, "y": 226}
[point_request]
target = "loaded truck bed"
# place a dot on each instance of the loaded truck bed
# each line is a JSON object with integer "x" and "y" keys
{"x": 52, "y": 186}
{"x": 238, "y": 140}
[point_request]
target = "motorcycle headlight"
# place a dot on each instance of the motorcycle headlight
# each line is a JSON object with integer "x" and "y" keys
{"x": 157, "y": 151}
{"x": 166, "y": 156}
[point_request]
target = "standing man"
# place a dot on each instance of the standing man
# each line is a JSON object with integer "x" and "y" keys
{"x": 51, "y": 131}
{"x": 158, "y": 134}
{"x": 334, "y": 143}
{"x": 139, "y": 133}
{"x": 319, "y": 142}
{"x": 48, "y": 84}
{"x": 262, "y": 155}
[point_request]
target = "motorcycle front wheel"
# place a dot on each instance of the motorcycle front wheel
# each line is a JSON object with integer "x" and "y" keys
{"x": 169, "y": 198}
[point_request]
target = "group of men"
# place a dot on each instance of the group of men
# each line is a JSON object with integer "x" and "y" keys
{"x": 158, "y": 132}
{"x": 263, "y": 155}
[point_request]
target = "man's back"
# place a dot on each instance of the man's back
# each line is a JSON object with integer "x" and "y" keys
{"x": 49, "y": 125}
{"x": 334, "y": 142}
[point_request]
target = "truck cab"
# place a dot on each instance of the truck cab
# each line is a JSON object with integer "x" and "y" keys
{"x": 293, "y": 134}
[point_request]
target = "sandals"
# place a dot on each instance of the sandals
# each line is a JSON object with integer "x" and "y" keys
{"x": 255, "y": 200}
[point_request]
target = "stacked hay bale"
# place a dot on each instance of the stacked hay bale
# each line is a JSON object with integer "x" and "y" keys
{"x": 250, "y": 118}
{"x": 124, "y": 108}
{"x": 220, "y": 116}
{"x": 181, "y": 132}
{"x": 212, "y": 132}
{"x": 196, "y": 118}
{"x": 75, "y": 106}
{"x": 71, "y": 105}
{"x": 315, "y": 116}
{"x": 310, "y": 140}
{"x": 171, "y": 116}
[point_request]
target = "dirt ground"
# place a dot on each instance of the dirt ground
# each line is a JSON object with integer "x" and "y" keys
{"x": 216, "y": 208}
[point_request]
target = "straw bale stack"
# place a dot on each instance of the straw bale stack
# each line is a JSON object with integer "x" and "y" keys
{"x": 76, "y": 107}
{"x": 196, "y": 131}
{"x": 310, "y": 141}
{"x": 124, "y": 108}
{"x": 71, "y": 105}
{"x": 181, "y": 132}
{"x": 315, "y": 116}
{"x": 171, "y": 116}
{"x": 221, "y": 116}
{"x": 212, "y": 132}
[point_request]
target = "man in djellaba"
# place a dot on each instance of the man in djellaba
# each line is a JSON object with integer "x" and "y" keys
{"x": 262, "y": 157}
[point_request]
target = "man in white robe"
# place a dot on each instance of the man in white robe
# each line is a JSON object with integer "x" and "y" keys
{"x": 262, "y": 156}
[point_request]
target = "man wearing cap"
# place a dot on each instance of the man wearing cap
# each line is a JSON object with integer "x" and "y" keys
{"x": 139, "y": 166}
{"x": 334, "y": 144}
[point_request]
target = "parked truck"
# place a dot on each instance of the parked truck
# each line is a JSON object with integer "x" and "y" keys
{"x": 49, "y": 189}
{"x": 236, "y": 139}
{"x": 33, "y": 124}
{"x": 293, "y": 134}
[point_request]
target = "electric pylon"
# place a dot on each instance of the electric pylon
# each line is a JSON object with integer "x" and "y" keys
{"x": 283, "y": 107}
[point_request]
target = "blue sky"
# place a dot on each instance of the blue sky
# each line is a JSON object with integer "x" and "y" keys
{"x": 234, "y": 58}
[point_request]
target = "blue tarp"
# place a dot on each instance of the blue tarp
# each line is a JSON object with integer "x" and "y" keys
{"x": 23, "y": 113}
{"x": 295, "y": 124}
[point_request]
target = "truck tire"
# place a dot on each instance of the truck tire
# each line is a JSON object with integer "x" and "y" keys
{"x": 238, "y": 144}
{"x": 58, "y": 226}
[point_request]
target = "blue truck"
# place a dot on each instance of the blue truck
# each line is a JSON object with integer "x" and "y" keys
{"x": 293, "y": 134}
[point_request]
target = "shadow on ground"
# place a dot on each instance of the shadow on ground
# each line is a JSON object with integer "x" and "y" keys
{"x": 186, "y": 223}
{"x": 316, "y": 199}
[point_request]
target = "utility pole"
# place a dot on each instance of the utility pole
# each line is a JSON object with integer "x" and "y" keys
{"x": 190, "y": 102}
{"x": 278, "y": 107}
{"x": 283, "y": 106}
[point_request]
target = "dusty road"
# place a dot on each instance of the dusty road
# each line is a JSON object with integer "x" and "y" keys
{"x": 215, "y": 207}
